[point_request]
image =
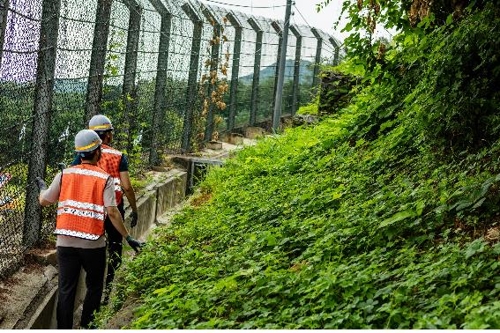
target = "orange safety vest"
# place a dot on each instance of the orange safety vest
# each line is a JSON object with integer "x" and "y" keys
{"x": 110, "y": 162}
{"x": 80, "y": 211}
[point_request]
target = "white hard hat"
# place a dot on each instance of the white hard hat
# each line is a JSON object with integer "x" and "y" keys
{"x": 87, "y": 141}
{"x": 100, "y": 123}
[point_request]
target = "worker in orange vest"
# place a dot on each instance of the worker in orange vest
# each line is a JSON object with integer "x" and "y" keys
{"x": 115, "y": 163}
{"x": 85, "y": 195}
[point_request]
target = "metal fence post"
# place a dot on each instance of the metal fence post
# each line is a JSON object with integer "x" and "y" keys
{"x": 214, "y": 62}
{"x": 98, "y": 59}
{"x": 129, "y": 94}
{"x": 279, "y": 31}
{"x": 277, "y": 108}
{"x": 161, "y": 79}
{"x": 296, "y": 69}
{"x": 317, "y": 59}
{"x": 336, "y": 46}
{"x": 4, "y": 9}
{"x": 256, "y": 69}
{"x": 41, "y": 117}
{"x": 193, "y": 74}
{"x": 238, "y": 30}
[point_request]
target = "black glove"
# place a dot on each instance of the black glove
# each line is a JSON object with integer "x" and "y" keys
{"x": 40, "y": 183}
{"x": 133, "y": 221}
{"x": 61, "y": 166}
{"x": 135, "y": 244}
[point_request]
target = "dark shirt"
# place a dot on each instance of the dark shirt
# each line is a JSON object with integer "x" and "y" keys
{"x": 123, "y": 162}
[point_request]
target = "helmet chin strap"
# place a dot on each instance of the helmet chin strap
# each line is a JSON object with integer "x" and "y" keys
{"x": 108, "y": 137}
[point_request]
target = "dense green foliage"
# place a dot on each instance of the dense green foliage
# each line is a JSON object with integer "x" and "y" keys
{"x": 381, "y": 216}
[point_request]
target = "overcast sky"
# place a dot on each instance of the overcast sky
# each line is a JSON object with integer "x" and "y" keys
{"x": 304, "y": 12}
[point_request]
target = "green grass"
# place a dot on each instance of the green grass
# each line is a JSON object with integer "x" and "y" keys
{"x": 364, "y": 220}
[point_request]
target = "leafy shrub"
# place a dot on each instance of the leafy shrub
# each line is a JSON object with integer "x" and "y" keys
{"x": 355, "y": 222}
{"x": 457, "y": 97}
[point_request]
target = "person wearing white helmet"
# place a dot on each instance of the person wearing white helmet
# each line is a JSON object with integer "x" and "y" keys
{"x": 115, "y": 163}
{"x": 85, "y": 196}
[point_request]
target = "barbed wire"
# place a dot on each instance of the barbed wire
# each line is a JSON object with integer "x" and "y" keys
{"x": 244, "y": 6}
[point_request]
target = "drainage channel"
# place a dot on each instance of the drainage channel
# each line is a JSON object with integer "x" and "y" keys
{"x": 197, "y": 169}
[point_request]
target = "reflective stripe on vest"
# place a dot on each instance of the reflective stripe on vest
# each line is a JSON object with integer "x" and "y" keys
{"x": 81, "y": 211}
{"x": 110, "y": 162}
{"x": 81, "y": 171}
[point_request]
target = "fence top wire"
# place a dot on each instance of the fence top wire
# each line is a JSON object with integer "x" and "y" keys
{"x": 148, "y": 7}
{"x": 195, "y": 7}
{"x": 206, "y": 11}
{"x": 309, "y": 27}
{"x": 161, "y": 6}
{"x": 265, "y": 24}
{"x": 212, "y": 13}
{"x": 221, "y": 12}
{"x": 244, "y": 6}
{"x": 243, "y": 18}
{"x": 304, "y": 31}
{"x": 174, "y": 9}
{"x": 321, "y": 33}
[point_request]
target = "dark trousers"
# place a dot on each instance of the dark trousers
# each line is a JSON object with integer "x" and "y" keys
{"x": 70, "y": 261}
{"x": 115, "y": 247}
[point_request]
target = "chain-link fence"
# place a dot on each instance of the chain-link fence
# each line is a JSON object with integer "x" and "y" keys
{"x": 169, "y": 74}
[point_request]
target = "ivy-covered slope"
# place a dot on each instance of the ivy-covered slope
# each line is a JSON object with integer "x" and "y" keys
{"x": 383, "y": 216}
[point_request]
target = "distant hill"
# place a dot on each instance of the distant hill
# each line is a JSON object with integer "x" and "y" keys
{"x": 70, "y": 86}
{"x": 305, "y": 72}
